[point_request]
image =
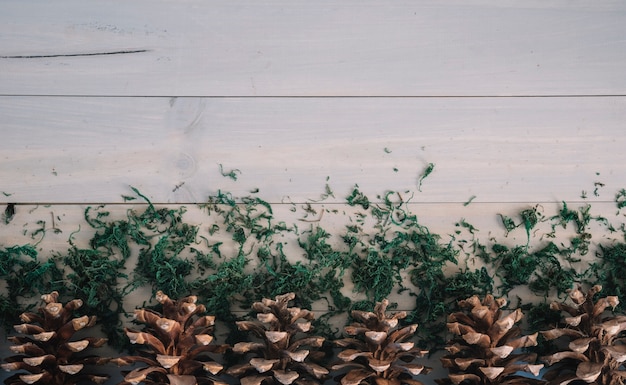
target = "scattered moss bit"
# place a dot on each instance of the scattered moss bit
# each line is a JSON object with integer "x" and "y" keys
{"x": 530, "y": 217}
{"x": 464, "y": 224}
{"x": 427, "y": 171}
{"x": 597, "y": 186}
{"x": 232, "y": 174}
{"x": 358, "y": 198}
{"x": 469, "y": 200}
{"x": 508, "y": 222}
{"x": 581, "y": 217}
{"x": 39, "y": 232}
{"x": 328, "y": 192}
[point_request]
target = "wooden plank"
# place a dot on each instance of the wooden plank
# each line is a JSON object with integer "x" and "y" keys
{"x": 76, "y": 150}
{"x": 322, "y": 48}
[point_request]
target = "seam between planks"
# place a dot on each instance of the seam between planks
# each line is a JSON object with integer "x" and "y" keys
{"x": 320, "y": 96}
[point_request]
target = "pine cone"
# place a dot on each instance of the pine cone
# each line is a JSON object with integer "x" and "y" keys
{"x": 177, "y": 345}
{"x": 379, "y": 353}
{"x": 485, "y": 349}
{"x": 594, "y": 352}
{"x": 49, "y": 353}
{"x": 280, "y": 357}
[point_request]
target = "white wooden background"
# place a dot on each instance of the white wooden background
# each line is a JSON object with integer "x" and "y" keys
{"x": 515, "y": 102}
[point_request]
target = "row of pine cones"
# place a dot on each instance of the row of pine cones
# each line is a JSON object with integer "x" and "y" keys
{"x": 176, "y": 346}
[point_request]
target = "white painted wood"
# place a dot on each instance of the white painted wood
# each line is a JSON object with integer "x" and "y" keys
{"x": 322, "y": 48}
{"x": 252, "y": 62}
{"x": 73, "y": 150}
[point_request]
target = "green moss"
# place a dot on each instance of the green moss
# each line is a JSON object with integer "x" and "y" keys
{"x": 240, "y": 255}
{"x": 26, "y": 276}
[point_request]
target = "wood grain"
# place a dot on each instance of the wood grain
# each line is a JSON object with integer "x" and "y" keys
{"x": 76, "y": 150}
{"x": 516, "y": 104}
{"x": 321, "y": 48}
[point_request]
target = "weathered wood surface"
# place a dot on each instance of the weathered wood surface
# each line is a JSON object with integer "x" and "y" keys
{"x": 77, "y": 150}
{"x": 517, "y": 104}
{"x": 320, "y": 48}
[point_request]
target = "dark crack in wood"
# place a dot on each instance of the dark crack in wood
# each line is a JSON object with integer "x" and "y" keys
{"x": 73, "y": 54}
